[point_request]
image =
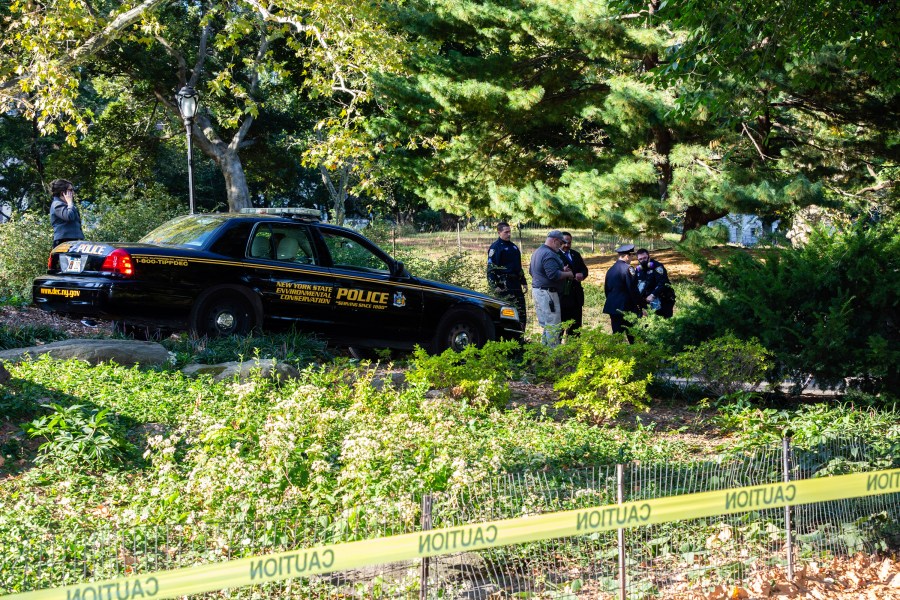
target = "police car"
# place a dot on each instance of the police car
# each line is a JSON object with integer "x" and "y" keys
{"x": 234, "y": 273}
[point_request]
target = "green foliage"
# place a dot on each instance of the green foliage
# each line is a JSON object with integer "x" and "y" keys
{"x": 827, "y": 309}
{"x": 600, "y": 385}
{"x": 78, "y": 437}
{"x": 28, "y": 335}
{"x": 296, "y": 348}
{"x": 548, "y": 364}
{"x": 129, "y": 217}
{"x": 477, "y": 375}
{"x": 336, "y": 441}
{"x": 726, "y": 364}
{"x": 753, "y": 424}
{"x": 464, "y": 269}
{"x": 25, "y": 243}
{"x": 595, "y": 372}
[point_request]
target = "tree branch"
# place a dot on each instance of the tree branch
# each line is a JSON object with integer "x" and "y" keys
{"x": 98, "y": 41}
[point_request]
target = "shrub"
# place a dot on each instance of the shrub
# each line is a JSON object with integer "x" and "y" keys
{"x": 828, "y": 309}
{"x": 598, "y": 388}
{"x": 461, "y": 268}
{"x": 724, "y": 365}
{"x": 595, "y": 372}
{"x": 477, "y": 375}
{"x": 77, "y": 436}
{"x": 25, "y": 243}
{"x": 549, "y": 364}
{"x": 130, "y": 217}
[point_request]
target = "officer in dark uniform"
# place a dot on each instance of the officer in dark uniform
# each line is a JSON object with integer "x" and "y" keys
{"x": 653, "y": 284}
{"x": 504, "y": 269}
{"x": 621, "y": 291}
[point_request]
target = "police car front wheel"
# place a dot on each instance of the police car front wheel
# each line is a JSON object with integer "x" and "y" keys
{"x": 460, "y": 329}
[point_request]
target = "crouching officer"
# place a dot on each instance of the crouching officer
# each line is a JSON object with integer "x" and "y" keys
{"x": 653, "y": 284}
{"x": 504, "y": 269}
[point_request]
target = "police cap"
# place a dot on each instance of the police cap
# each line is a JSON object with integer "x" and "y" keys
{"x": 625, "y": 249}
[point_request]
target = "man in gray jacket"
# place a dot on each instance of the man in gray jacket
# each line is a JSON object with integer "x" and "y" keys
{"x": 64, "y": 215}
{"x": 548, "y": 272}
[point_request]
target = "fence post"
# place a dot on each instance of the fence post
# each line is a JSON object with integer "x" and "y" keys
{"x": 620, "y": 498}
{"x": 458, "y": 238}
{"x": 592, "y": 241}
{"x": 394, "y": 239}
{"x": 427, "y": 501}
{"x": 788, "y": 526}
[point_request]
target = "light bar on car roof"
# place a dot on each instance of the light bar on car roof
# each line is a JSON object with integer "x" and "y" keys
{"x": 284, "y": 212}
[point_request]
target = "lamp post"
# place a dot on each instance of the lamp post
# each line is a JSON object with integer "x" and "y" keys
{"x": 188, "y": 101}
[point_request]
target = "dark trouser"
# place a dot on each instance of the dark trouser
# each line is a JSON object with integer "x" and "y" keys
{"x": 571, "y": 310}
{"x": 61, "y": 240}
{"x": 517, "y": 295}
{"x": 620, "y": 326}
{"x": 514, "y": 294}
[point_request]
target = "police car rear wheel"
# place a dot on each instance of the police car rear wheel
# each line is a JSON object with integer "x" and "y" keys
{"x": 224, "y": 316}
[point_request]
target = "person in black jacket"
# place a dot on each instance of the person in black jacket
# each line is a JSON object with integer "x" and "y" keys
{"x": 621, "y": 291}
{"x": 504, "y": 269}
{"x": 653, "y": 284}
{"x": 64, "y": 216}
{"x": 571, "y": 298}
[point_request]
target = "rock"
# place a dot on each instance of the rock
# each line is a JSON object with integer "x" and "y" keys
{"x": 241, "y": 371}
{"x": 122, "y": 352}
{"x": 391, "y": 380}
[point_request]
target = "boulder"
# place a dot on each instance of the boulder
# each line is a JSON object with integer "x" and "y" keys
{"x": 123, "y": 352}
{"x": 242, "y": 371}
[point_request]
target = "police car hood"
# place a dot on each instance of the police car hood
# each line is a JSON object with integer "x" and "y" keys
{"x": 461, "y": 291}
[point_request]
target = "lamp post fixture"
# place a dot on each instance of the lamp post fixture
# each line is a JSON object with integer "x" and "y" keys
{"x": 188, "y": 101}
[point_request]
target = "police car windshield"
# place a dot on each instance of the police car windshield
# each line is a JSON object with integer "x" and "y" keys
{"x": 190, "y": 230}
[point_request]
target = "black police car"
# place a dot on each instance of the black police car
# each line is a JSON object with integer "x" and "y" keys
{"x": 225, "y": 274}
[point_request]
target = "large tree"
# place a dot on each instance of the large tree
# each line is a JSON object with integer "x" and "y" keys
{"x": 578, "y": 112}
{"x": 243, "y": 56}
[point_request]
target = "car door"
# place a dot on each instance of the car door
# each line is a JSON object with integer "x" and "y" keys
{"x": 294, "y": 286}
{"x": 369, "y": 302}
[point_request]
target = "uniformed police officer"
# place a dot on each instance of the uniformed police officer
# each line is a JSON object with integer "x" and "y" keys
{"x": 621, "y": 291}
{"x": 504, "y": 269}
{"x": 653, "y": 284}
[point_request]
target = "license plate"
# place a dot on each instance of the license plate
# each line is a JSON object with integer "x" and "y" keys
{"x": 73, "y": 265}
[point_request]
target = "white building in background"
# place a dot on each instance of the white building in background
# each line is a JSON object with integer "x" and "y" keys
{"x": 746, "y": 230}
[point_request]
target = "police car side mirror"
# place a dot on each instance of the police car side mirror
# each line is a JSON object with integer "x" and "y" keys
{"x": 398, "y": 269}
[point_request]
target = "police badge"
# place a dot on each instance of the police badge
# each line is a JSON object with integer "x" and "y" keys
{"x": 399, "y": 299}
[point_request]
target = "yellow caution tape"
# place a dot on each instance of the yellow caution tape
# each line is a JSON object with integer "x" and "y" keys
{"x": 339, "y": 557}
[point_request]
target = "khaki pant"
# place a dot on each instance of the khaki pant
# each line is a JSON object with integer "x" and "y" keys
{"x": 549, "y": 313}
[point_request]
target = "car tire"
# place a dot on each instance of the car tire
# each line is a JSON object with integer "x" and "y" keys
{"x": 461, "y": 328}
{"x": 223, "y": 314}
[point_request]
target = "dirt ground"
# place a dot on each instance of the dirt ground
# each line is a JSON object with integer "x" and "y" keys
{"x": 676, "y": 264}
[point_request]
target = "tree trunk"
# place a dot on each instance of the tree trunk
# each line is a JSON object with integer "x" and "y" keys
{"x": 235, "y": 180}
{"x": 337, "y": 190}
{"x": 226, "y": 156}
{"x": 696, "y": 217}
